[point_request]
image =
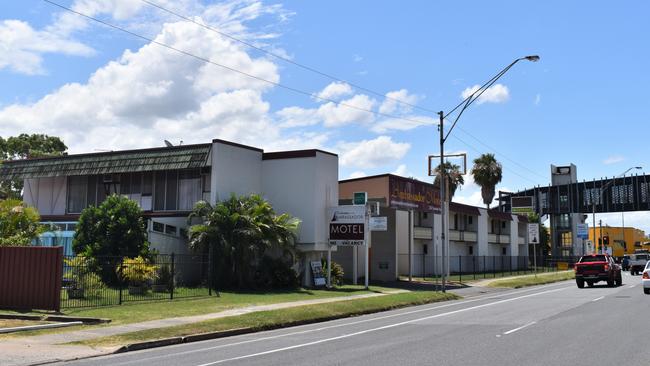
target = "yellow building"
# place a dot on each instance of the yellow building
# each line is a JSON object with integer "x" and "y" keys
{"x": 621, "y": 240}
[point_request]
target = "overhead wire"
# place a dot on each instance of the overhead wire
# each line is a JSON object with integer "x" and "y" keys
{"x": 286, "y": 87}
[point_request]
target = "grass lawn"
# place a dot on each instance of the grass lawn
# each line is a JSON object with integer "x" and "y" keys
{"x": 278, "y": 318}
{"x": 531, "y": 280}
{"x": 472, "y": 277}
{"x": 132, "y": 312}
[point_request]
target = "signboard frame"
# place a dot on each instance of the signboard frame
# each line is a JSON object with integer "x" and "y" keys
{"x": 347, "y": 225}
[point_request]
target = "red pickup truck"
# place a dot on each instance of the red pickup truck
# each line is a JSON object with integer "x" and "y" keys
{"x": 595, "y": 268}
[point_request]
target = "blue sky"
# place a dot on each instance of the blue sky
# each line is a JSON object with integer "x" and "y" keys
{"x": 583, "y": 103}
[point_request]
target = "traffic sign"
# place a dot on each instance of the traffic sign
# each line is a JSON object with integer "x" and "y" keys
{"x": 533, "y": 233}
{"x": 583, "y": 231}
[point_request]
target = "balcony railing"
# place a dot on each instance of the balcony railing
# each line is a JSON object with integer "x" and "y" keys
{"x": 457, "y": 235}
{"x": 499, "y": 238}
{"x": 425, "y": 233}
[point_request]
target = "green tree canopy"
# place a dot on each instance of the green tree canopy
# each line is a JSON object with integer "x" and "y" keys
{"x": 487, "y": 172}
{"x": 454, "y": 178}
{"x": 115, "y": 228}
{"x": 239, "y": 232}
{"x": 26, "y": 146}
{"x": 19, "y": 224}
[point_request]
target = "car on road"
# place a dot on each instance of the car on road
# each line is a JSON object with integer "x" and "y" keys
{"x": 594, "y": 268}
{"x": 638, "y": 262}
{"x": 646, "y": 279}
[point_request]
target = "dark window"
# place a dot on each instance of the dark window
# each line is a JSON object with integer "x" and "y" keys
{"x": 172, "y": 189}
{"x": 159, "y": 196}
{"x": 136, "y": 183}
{"x": 170, "y": 229}
{"x": 471, "y": 250}
{"x": 503, "y": 224}
{"x": 469, "y": 220}
{"x": 503, "y": 251}
{"x": 159, "y": 227}
{"x": 455, "y": 221}
{"x": 77, "y": 187}
{"x": 425, "y": 215}
{"x": 125, "y": 183}
{"x": 91, "y": 193}
{"x": 147, "y": 183}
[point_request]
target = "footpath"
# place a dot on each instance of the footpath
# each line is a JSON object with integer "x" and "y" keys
{"x": 46, "y": 348}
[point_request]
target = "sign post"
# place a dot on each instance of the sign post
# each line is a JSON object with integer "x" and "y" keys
{"x": 533, "y": 238}
{"x": 347, "y": 227}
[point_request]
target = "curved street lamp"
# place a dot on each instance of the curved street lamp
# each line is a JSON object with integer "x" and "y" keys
{"x": 461, "y": 107}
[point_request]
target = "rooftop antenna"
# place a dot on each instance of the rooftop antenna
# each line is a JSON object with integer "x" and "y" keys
{"x": 168, "y": 144}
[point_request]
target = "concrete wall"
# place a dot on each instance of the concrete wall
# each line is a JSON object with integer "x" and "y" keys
{"x": 235, "y": 170}
{"x": 47, "y": 195}
{"x": 376, "y": 187}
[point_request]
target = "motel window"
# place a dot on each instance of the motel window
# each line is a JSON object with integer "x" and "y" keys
{"x": 170, "y": 229}
{"x": 172, "y": 187}
{"x": 469, "y": 220}
{"x": 125, "y": 183}
{"x": 189, "y": 189}
{"x": 158, "y": 226}
{"x": 147, "y": 183}
{"x": 159, "y": 195}
{"x": 455, "y": 221}
{"x": 136, "y": 183}
{"x": 77, "y": 187}
{"x": 471, "y": 250}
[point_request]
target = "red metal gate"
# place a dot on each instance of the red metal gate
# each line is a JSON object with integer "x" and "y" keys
{"x": 30, "y": 277}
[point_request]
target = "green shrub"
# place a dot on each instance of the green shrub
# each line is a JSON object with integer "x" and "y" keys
{"x": 337, "y": 272}
{"x": 80, "y": 275}
{"x": 137, "y": 271}
{"x": 275, "y": 273}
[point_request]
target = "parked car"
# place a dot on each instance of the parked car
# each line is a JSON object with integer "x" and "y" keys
{"x": 646, "y": 279}
{"x": 637, "y": 263}
{"x": 595, "y": 268}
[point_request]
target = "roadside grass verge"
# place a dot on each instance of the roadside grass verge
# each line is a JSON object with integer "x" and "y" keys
{"x": 133, "y": 312}
{"x": 531, "y": 280}
{"x": 265, "y": 320}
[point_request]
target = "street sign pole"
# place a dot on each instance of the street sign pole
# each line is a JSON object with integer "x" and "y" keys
{"x": 533, "y": 238}
{"x": 367, "y": 244}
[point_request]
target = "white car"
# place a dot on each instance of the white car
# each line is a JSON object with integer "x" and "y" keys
{"x": 646, "y": 279}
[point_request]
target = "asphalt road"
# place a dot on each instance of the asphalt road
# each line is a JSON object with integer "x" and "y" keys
{"x": 556, "y": 324}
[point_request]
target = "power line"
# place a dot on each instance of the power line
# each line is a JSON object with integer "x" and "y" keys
{"x": 285, "y": 59}
{"x": 332, "y": 77}
{"x": 274, "y": 83}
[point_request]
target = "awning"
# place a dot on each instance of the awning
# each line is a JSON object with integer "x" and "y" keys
{"x": 500, "y": 215}
{"x": 465, "y": 209}
{"x": 143, "y": 160}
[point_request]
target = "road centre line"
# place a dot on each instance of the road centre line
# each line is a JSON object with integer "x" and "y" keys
{"x": 599, "y": 298}
{"x": 478, "y": 298}
{"x": 520, "y": 328}
{"x": 302, "y": 345}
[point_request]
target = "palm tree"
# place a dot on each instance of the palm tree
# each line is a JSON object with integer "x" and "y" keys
{"x": 487, "y": 172}
{"x": 239, "y": 232}
{"x": 454, "y": 178}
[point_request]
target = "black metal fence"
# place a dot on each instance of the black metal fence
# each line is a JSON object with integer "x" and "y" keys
{"x": 466, "y": 268}
{"x": 104, "y": 281}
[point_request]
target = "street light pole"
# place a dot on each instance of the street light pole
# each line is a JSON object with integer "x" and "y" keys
{"x": 461, "y": 107}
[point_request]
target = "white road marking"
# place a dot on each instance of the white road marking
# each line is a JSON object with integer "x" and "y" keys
{"x": 631, "y": 286}
{"x": 600, "y": 298}
{"x": 486, "y": 297}
{"x": 302, "y": 345}
{"x": 520, "y": 328}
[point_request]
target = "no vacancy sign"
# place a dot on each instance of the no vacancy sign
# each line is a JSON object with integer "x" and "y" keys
{"x": 347, "y": 225}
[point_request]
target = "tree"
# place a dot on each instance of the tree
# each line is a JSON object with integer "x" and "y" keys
{"x": 487, "y": 172}
{"x": 239, "y": 232}
{"x": 19, "y": 224}
{"x": 26, "y": 146}
{"x": 454, "y": 178}
{"x": 115, "y": 228}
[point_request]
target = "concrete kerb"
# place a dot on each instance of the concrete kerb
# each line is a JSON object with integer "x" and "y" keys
{"x": 38, "y": 327}
{"x": 55, "y": 318}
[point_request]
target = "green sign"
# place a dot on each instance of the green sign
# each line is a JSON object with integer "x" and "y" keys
{"x": 359, "y": 198}
{"x": 522, "y": 210}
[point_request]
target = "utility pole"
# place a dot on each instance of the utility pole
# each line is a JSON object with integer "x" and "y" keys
{"x": 443, "y": 200}
{"x": 602, "y": 244}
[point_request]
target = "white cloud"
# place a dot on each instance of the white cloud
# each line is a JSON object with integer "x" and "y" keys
{"x": 401, "y": 170}
{"x": 538, "y": 99}
{"x": 639, "y": 220}
{"x": 151, "y": 94}
{"x": 357, "y": 58}
{"x": 498, "y": 93}
{"x": 409, "y": 122}
{"x": 391, "y": 103}
{"x": 297, "y": 117}
{"x": 336, "y": 115}
{"x": 613, "y": 159}
{"x": 357, "y": 174}
{"x": 371, "y": 153}
{"x": 335, "y": 90}
{"x": 22, "y": 47}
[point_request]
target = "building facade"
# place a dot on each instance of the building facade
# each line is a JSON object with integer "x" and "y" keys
{"x": 621, "y": 241}
{"x": 412, "y": 245}
{"x": 167, "y": 182}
